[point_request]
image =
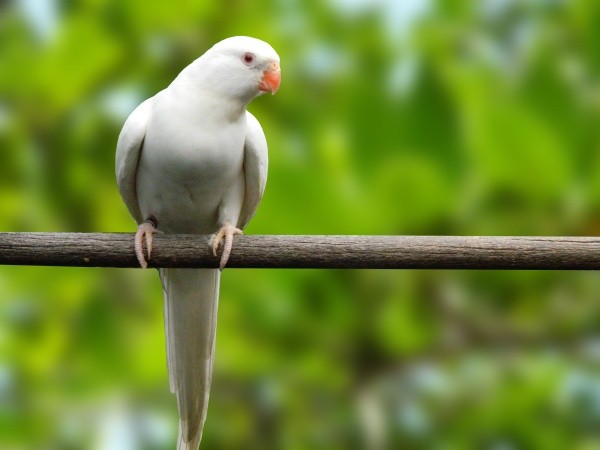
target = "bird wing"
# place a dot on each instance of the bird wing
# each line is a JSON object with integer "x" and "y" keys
{"x": 256, "y": 161}
{"x": 129, "y": 149}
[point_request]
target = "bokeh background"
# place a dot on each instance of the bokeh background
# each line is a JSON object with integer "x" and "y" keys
{"x": 394, "y": 117}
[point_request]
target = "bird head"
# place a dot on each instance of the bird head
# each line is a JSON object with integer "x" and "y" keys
{"x": 239, "y": 67}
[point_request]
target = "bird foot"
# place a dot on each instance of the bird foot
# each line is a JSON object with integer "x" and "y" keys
{"x": 145, "y": 230}
{"x": 226, "y": 233}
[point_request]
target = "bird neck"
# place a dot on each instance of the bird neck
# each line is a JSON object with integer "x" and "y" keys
{"x": 212, "y": 77}
{"x": 203, "y": 96}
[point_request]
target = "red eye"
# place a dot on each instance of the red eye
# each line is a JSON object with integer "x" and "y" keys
{"x": 248, "y": 58}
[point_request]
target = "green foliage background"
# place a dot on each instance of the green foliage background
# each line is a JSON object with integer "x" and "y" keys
{"x": 408, "y": 117}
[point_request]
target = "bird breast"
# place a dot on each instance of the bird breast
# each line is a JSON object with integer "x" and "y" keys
{"x": 186, "y": 168}
{"x": 201, "y": 155}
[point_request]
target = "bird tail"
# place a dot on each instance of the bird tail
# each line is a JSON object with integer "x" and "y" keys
{"x": 191, "y": 302}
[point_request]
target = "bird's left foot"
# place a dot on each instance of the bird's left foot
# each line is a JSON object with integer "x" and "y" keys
{"x": 226, "y": 233}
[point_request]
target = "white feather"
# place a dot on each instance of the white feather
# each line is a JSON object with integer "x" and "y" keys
{"x": 191, "y": 303}
{"x": 192, "y": 158}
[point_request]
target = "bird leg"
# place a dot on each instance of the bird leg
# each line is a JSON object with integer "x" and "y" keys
{"x": 145, "y": 230}
{"x": 226, "y": 232}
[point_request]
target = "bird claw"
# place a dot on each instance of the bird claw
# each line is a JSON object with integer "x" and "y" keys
{"x": 145, "y": 232}
{"x": 227, "y": 231}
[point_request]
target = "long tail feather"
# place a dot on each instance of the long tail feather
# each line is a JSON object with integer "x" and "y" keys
{"x": 191, "y": 303}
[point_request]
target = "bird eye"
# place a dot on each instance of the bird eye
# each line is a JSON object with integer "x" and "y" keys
{"x": 248, "y": 58}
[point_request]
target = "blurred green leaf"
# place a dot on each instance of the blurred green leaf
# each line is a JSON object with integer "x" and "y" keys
{"x": 393, "y": 118}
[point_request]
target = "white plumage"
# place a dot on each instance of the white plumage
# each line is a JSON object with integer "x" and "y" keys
{"x": 191, "y": 159}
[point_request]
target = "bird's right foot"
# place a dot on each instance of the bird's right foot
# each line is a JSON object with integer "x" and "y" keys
{"x": 145, "y": 230}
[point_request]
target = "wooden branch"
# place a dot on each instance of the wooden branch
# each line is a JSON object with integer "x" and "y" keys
{"x": 325, "y": 252}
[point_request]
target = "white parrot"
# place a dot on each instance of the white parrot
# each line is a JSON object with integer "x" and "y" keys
{"x": 191, "y": 159}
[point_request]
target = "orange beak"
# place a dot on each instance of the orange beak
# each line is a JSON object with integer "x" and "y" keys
{"x": 271, "y": 79}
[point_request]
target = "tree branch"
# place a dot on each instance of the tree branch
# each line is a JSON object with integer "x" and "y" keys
{"x": 325, "y": 252}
